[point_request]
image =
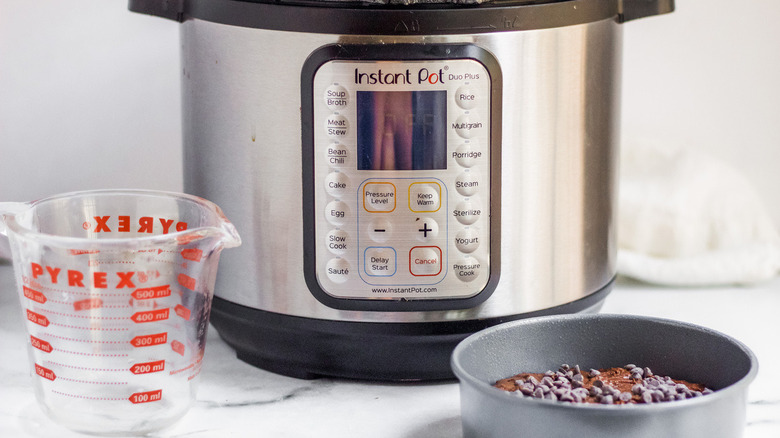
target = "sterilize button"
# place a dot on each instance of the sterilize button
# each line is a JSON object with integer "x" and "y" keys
{"x": 467, "y": 268}
{"x": 468, "y": 125}
{"x": 467, "y": 212}
{"x": 337, "y": 270}
{"x": 466, "y": 154}
{"x": 336, "y": 212}
{"x": 336, "y": 126}
{"x": 467, "y": 183}
{"x": 427, "y": 228}
{"x": 336, "y": 97}
{"x": 465, "y": 97}
{"x": 467, "y": 240}
{"x": 425, "y": 261}
{"x": 336, "y": 184}
{"x": 338, "y": 241}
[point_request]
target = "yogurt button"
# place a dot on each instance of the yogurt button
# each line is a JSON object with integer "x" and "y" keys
{"x": 337, "y": 270}
{"x": 465, "y": 97}
{"x": 336, "y": 97}
{"x": 467, "y": 240}
{"x": 336, "y": 184}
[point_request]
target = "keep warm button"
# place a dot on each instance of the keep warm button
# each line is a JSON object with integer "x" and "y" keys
{"x": 425, "y": 261}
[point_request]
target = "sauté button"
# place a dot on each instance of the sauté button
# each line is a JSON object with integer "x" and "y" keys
{"x": 337, "y": 270}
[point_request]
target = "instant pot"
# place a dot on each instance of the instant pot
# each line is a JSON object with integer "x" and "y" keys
{"x": 403, "y": 174}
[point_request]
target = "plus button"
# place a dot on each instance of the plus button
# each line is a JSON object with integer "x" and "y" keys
{"x": 425, "y": 230}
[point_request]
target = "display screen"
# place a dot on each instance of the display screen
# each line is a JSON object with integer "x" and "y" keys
{"x": 402, "y": 130}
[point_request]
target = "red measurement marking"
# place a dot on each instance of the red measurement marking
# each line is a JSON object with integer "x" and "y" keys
{"x": 187, "y": 281}
{"x": 89, "y": 303}
{"x": 148, "y": 367}
{"x": 82, "y": 251}
{"x": 149, "y": 340}
{"x": 182, "y": 311}
{"x": 34, "y": 295}
{"x": 45, "y": 372}
{"x": 146, "y": 397}
{"x": 37, "y": 318}
{"x": 193, "y": 254}
{"x": 178, "y": 347}
{"x": 151, "y": 315}
{"x": 152, "y": 292}
{"x": 40, "y": 344}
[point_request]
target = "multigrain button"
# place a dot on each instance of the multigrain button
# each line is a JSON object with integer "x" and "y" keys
{"x": 337, "y": 270}
{"x": 468, "y": 125}
{"x": 425, "y": 261}
{"x": 336, "y": 126}
{"x": 465, "y": 97}
{"x": 336, "y": 184}
{"x": 336, "y": 97}
{"x": 336, "y": 212}
{"x": 467, "y": 212}
{"x": 467, "y": 183}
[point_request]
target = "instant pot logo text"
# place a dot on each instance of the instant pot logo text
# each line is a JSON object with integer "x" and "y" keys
{"x": 422, "y": 76}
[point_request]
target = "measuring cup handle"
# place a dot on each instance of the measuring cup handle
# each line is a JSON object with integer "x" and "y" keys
{"x": 8, "y": 209}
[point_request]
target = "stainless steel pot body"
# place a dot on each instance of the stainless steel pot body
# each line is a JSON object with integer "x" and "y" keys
{"x": 241, "y": 91}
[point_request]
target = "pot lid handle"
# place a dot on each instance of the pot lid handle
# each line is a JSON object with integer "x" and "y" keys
{"x": 171, "y": 9}
{"x": 633, "y": 9}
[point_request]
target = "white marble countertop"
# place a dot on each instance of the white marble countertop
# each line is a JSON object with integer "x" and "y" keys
{"x": 236, "y": 399}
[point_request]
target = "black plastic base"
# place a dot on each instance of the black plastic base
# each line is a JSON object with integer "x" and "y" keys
{"x": 308, "y": 348}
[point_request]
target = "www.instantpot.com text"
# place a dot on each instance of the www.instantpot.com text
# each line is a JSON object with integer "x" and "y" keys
{"x": 404, "y": 290}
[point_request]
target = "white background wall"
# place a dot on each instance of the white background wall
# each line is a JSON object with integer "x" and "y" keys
{"x": 89, "y": 92}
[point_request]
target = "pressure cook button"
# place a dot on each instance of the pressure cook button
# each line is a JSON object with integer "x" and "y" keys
{"x": 465, "y": 97}
{"x": 336, "y": 97}
{"x": 336, "y": 126}
{"x": 466, "y": 155}
{"x": 336, "y": 184}
{"x": 467, "y": 212}
{"x": 468, "y": 125}
{"x": 336, "y": 212}
{"x": 337, "y": 270}
{"x": 338, "y": 241}
{"x": 467, "y": 183}
{"x": 467, "y": 240}
{"x": 467, "y": 268}
{"x": 425, "y": 261}
{"x": 337, "y": 155}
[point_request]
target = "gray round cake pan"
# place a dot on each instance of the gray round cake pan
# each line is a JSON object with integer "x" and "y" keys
{"x": 669, "y": 348}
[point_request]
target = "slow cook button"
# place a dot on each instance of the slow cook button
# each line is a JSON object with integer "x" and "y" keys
{"x": 468, "y": 125}
{"x": 336, "y": 97}
{"x": 467, "y": 269}
{"x": 337, "y": 270}
{"x": 336, "y": 212}
{"x": 336, "y": 126}
{"x": 425, "y": 261}
{"x": 465, "y": 97}
{"x": 337, "y": 241}
{"x": 467, "y": 212}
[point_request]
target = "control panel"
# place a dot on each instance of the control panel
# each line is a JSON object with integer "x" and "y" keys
{"x": 403, "y": 180}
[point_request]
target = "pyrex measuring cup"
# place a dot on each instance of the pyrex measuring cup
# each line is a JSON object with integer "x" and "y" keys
{"x": 116, "y": 289}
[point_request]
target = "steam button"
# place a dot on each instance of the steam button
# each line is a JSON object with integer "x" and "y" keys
{"x": 336, "y": 97}
{"x": 467, "y": 183}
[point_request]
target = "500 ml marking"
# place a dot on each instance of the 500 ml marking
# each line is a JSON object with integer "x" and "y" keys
{"x": 146, "y": 397}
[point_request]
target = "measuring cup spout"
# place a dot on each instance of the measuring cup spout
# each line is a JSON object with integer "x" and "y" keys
{"x": 8, "y": 210}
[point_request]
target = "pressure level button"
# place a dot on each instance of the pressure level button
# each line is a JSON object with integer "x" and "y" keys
{"x": 336, "y": 97}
